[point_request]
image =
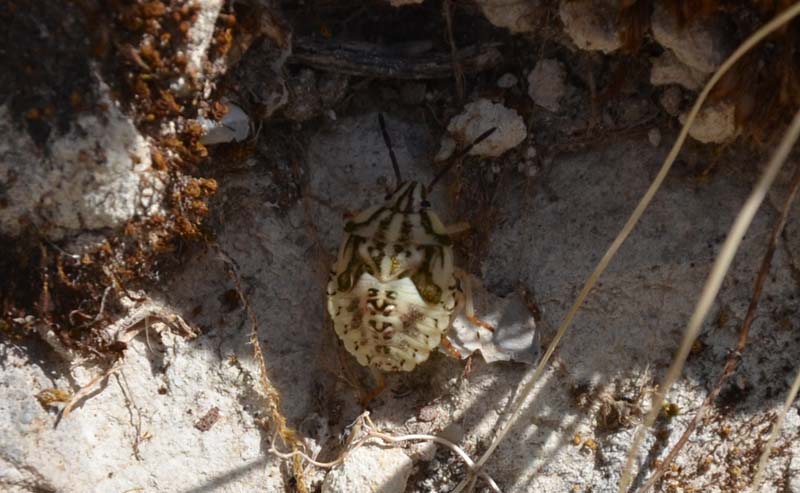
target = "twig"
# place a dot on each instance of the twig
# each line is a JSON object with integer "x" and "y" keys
{"x": 102, "y": 306}
{"x": 735, "y": 356}
{"x": 370, "y": 60}
{"x": 458, "y": 72}
{"x": 137, "y": 426}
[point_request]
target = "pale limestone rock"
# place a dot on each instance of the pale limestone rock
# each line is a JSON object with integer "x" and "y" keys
{"x": 546, "y": 84}
{"x": 591, "y": 24}
{"x": 95, "y": 176}
{"x": 714, "y": 124}
{"x": 667, "y": 69}
{"x": 702, "y": 45}
{"x": 517, "y": 17}
{"x": 370, "y": 469}
{"x": 477, "y": 118}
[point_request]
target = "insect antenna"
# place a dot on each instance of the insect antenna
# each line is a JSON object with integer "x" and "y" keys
{"x": 388, "y": 142}
{"x": 455, "y": 159}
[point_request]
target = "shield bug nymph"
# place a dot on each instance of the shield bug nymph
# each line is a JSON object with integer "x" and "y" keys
{"x": 394, "y": 289}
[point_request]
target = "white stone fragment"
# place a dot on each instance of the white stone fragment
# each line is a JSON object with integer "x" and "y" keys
{"x": 234, "y": 126}
{"x": 370, "y": 469}
{"x": 517, "y": 17}
{"x": 671, "y": 100}
{"x": 477, "y": 118}
{"x": 591, "y": 24}
{"x": 667, "y": 69}
{"x": 546, "y": 84}
{"x": 654, "y": 136}
{"x": 514, "y": 337}
{"x": 702, "y": 45}
{"x": 714, "y": 124}
{"x": 507, "y": 81}
{"x": 95, "y": 176}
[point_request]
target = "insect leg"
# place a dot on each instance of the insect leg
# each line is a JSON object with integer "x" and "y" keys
{"x": 459, "y": 227}
{"x": 367, "y": 399}
{"x": 448, "y": 346}
{"x": 469, "y": 307}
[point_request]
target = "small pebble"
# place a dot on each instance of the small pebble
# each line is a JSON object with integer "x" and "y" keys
{"x": 546, "y": 84}
{"x": 507, "y": 81}
{"x": 654, "y": 136}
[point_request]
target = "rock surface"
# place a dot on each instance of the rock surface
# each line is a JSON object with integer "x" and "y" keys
{"x": 547, "y": 237}
{"x": 201, "y": 34}
{"x": 140, "y": 430}
{"x": 97, "y": 175}
{"x": 370, "y": 469}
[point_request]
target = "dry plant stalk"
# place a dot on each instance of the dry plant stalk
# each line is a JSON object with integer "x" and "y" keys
{"x": 458, "y": 72}
{"x": 735, "y": 356}
{"x": 526, "y": 390}
{"x": 271, "y": 394}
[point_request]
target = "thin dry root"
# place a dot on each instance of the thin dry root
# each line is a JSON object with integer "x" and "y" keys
{"x": 271, "y": 394}
{"x": 86, "y": 390}
{"x": 367, "y": 430}
{"x": 123, "y": 331}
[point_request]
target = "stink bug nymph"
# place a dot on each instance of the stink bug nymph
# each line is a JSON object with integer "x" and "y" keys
{"x": 394, "y": 290}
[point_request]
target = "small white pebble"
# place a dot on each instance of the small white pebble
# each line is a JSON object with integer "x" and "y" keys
{"x": 654, "y": 136}
{"x": 507, "y": 81}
